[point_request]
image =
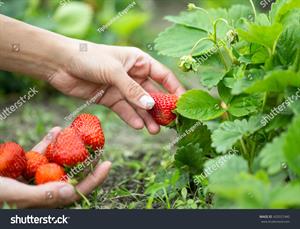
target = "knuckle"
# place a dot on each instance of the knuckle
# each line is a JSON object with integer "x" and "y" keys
{"x": 110, "y": 74}
{"x": 134, "y": 90}
{"x": 136, "y": 50}
{"x": 140, "y": 54}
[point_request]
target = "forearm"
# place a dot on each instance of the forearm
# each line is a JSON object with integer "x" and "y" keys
{"x": 30, "y": 50}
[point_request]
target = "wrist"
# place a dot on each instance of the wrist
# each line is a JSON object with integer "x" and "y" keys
{"x": 31, "y": 50}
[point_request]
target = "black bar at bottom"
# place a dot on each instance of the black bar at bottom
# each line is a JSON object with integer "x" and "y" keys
{"x": 152, "y": 219}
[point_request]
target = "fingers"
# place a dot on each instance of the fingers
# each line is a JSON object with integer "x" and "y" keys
{"x": 25, "y": 196}
{"x": 164, "y": 76}
{"x": 150, "y": 86}
{"x": 95, "y": 179}
{"x": 42, "y": 145}
{"x": 128, "y": 114}
{"x": 53, "y": 194}
{"x": 152, "y": 126}
{"x": 59, "y": 194}
{"x": 12, "y": 192}
{"x": 50, "y": 195}
{"x": 133, "y": 92}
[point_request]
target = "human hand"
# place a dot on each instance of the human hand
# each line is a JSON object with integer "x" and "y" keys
{"x": 126, "y": 75}
{"x": 53, "y": 194}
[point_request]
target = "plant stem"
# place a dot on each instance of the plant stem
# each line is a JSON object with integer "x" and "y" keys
{"x": 216, "y": 42}
{"x": 243, "y": 147}
{"x": 253, "y": 8}
{"x": 264, "y": 101}
{"x": 167, "y": 198}
{"x": 215, "y": 26}
{"x": 83, "y": 196}
{"x": 252, "y": 155}
{"x": 198, "y": 42}
{"x": 222, "y": 58}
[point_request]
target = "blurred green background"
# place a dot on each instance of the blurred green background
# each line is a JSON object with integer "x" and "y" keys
{"x": 136, "y": 155}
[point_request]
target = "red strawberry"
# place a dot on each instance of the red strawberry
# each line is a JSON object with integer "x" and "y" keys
{"x": 68, "y": 149}
{"x": 34, "y": 160}
{"x": 48, "y": 152}
{"x": 49, "y": 172}
{"x": 162, "y": 110}
{"x": 12, "y": 160}
{"x": 89, "y": 127}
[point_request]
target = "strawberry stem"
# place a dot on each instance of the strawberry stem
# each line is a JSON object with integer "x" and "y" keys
{"x": 82, "y": 196}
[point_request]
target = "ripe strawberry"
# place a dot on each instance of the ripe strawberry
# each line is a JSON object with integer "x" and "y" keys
{"x": 162, "y": 110}
{"x": 34, "y": 160}
{"x": 68, "y": 149}
{"x": 89, "y": 127}
{"x": 49, "y": 172}
{"x": 12, "y": 160}
{"x": 48, "y": 152}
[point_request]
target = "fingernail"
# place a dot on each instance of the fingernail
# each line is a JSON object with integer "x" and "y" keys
{"x": 147, "y": 101}
{"x": 66, "y": 192}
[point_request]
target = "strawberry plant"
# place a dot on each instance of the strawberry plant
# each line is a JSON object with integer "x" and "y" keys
{"x": 238, "y": 134}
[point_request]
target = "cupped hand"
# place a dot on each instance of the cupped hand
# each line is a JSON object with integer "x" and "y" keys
{"x": 125, "y": 74}
{"x": 53, "y": 194}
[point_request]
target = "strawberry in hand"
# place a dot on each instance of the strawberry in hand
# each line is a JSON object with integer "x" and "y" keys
{"x": 68, "y": 149}
{"x": 50, "y": 172}
{"x": 12, "y": 160}
{"x": 34, "y": 160}
{"x": 89, "y": 127}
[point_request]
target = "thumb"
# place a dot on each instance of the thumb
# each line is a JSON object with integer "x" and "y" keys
{"x": 54, "y": 194}
{"x": 134, "y": 92}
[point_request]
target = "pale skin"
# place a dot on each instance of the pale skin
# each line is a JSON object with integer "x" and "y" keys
{"x": 126, "y": 75}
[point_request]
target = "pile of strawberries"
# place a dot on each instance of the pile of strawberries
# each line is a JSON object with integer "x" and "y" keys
{"x": 72, "y": 146}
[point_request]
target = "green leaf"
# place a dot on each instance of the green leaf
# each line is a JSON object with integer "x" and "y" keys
{"x": 291, "y": 147}
{"x": 291, "y": 18}
{"x": 293, "y": 96}
{"x": 251, "y": 76}
{"x": 279, "y": 122}
{"x": 288, "y": 45}
{"x": 224, "y": 92}
{"x": 285, "y": 197}
{"x": 260, "y": 56}
{"x": 179, "y": 40}
{"x": 275, "y": 81}
{"x": 190, "y": 156}
{"x": 242, "y": 190}
{"x": 222, "y": 169}
{"x": 73, "y": 19}
{"x": 257, "y": 34}
{"x": 237, "y": 12}
{"x": 281, "y": 7}
{"x": 199, "y": 105}
{"x": 211, "y": 72}
{"x": 262, "y": 19}
{"x": 243, "y": 105}
{"x": 229, "y": 132}
{"x": 193, "y": 131}
{"x": 195, "y": 19}
{"x": 199, "y": 19}
{"x": 271, "y": 156}
{"x": 172, "y": 180}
